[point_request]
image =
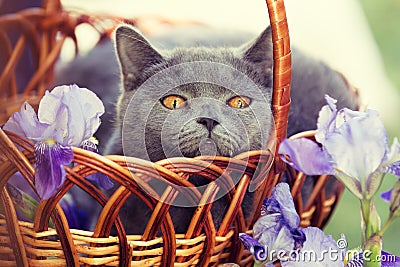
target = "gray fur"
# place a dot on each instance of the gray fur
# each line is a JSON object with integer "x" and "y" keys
{"x": 139, "y": 61}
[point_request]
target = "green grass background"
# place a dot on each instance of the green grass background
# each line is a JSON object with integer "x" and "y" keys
{"x": 384, "y": 19}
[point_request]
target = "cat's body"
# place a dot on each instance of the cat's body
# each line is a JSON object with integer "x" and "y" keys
{"x": 171, "y": 101}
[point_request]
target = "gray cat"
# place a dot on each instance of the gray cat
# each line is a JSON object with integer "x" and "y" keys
{"x": 190, "y": 101}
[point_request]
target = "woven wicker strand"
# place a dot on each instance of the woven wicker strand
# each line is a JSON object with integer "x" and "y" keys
{"x": 282, "y": 74}
{"x": 282, "y": 69}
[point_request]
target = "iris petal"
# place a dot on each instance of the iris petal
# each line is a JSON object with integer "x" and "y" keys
{"x": 284, "y": 242}
{"x": 277, "y": 227}
{"x": 91, "y": 106}
{"x": 386, "y": 195}
{"x": 94, "y": 108}
{"x": 270, "y": 206}
{"x": 90, "y": 145}
{"x": 345, "y": 115}
{"x": 356, "y": 261}
{"x": 73, "y": 113}
{"x": 49, "y": 170}
{"x": 58, "y": 121}
{"x": 389, "y": 260}
{"x": 267, "y": 228}
{"x": 394, "y": 153}
{"x": 271, "y": 231}
{"x": 77, "y": 218}
{"x": 319, "y": 243}
{"x": 102, "y": 180}
{"x": 317, "y": 240}
{"x": 299, "y": 237}
{"x": 306, "y": 156}
{"x": 359, "y": 146}
{"x": 277, "y": 211}
{"x": 282, "y": 194}
{"x": 394, "y": 169}
{"x": 259, "y": 251}
{"x": 25, "y": 123}
{"x": 326, "y": 119}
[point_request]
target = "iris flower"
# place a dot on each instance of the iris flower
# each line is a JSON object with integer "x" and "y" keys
{"x": 351, "y": 145}
{"x": 276, "y": 236}
{"x": 277, "y": 228}
{"x": 67, "y": 116}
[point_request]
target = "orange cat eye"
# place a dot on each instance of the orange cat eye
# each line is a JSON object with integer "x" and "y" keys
{"x": 174, "y": 101}
{"x": 239, "y": 102}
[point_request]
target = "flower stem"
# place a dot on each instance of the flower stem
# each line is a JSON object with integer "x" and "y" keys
{"x": 258, "y": 264}
{"x": 365, "y": 212}
{"x": 373, "y": 250}
{"x": 386, "y": 225}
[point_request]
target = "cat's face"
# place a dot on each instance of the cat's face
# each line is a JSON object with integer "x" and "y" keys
{"x": 196, "y": 101}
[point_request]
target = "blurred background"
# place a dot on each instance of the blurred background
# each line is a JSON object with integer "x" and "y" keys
{"x": 383, "y": 20}
{"x": 359, "y": 38}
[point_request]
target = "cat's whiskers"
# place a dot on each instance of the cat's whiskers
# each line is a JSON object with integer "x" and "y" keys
{"x": 191, "y": 138}
{"x": 192, "y": 144}
{"x": 184, "y": 134}
{"x": 171, "y": 152}
{"x": 237, "y": 138}
{"x": 228, "y": 140}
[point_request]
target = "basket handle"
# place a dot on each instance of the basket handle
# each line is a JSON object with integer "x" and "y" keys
{"x": 282, "y": 72}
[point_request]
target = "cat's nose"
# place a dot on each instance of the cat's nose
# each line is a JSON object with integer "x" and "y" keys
{"x": 208, "y": 123}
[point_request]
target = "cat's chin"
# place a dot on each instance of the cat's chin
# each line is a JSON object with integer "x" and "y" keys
{"x": 208, "y": 147}
{"x": 198, "y": 153}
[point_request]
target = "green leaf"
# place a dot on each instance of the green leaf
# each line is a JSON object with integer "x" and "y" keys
{"x": 375, "y": 219}
{"x": 24, "y": 203}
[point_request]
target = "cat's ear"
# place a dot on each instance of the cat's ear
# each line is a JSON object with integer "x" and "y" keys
{"x": 135, "y": 54}
{"x": 259, "y": 52}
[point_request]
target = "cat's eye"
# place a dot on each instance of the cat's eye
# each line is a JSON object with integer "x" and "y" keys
{"x": 239, "y": 102}
{"x": 173, "y": 101}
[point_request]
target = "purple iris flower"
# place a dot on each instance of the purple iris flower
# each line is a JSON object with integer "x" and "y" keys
{"x": 351, "y": 145}
{"x": 386, "y": 195}
{"x": 67, "y": 116}
{"x": 276, "y": 236}
{"x": 76, "y": 217}
{"x": 277, "y": 228}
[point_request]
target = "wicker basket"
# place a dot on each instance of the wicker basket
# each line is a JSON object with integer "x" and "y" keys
{"x": 35, "y": 244}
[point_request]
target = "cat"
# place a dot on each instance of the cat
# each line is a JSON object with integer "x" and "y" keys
{"x": 194, "y": 100}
